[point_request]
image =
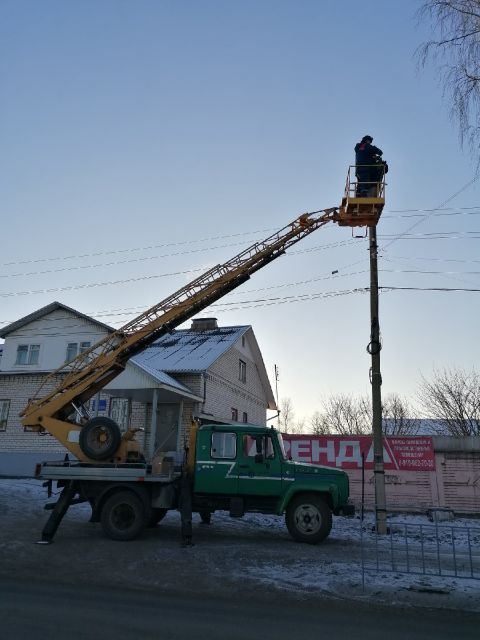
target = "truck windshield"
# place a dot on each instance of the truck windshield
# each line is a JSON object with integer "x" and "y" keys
{"x": 282, "y": 446}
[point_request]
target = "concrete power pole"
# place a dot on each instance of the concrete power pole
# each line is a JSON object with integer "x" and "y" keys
{"x": 374, "y": 348}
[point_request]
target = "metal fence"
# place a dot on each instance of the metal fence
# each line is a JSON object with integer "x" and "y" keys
{"x": 422, "y": 549}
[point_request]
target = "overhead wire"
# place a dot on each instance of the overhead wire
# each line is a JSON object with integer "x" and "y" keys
{"x": 265, "y": 302}
{"x": 443, "y": 210}
{"x": 440, "y": 206}
{"x": 148, "y": 277}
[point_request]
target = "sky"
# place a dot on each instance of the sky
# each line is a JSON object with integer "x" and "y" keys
{"x": 146, "y": 141}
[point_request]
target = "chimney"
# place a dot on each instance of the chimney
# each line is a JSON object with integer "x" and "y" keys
{"x": 204, "y": 324}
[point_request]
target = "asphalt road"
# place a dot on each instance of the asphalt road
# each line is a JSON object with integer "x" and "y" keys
{"x": 51, "y": 611}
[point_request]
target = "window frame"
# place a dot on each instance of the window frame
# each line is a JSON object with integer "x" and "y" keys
{"x": 80, "y": 347}
{"x": 30, "y": 350}
{"x": 3, "y": 421}
{"x": 124, "y": 408}
{"x": 213, "y": 452}
{"x": 249, "y": 439}
{"x": 242, "y": 370}
{"x": 245, "y": 417}
{"x": 234, "y": 414}
{"x": 71, "y": 344}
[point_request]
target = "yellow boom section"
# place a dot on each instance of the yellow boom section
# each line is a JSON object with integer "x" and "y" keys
{"x": 91, "y": 370}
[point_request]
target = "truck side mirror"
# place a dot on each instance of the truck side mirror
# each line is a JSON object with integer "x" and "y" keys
{"x": 259, "y": 457}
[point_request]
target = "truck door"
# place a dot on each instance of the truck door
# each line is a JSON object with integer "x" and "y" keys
{"x": 216, "y": 462}
{"x": 259, "y": 466}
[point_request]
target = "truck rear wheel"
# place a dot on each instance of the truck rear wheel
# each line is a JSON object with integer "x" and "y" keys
{"x": 123, "y": 516}
{"x": 99, "y": 438}
{"x": 308, "y": 518}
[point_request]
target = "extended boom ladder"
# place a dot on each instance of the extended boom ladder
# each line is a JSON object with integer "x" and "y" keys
{"x": 91, "y": 370}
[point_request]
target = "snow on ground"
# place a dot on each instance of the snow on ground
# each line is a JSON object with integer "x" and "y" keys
{"x": 257, "y": 550}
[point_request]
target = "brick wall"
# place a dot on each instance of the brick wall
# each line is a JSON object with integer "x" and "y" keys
{"x": 224, "y": 390}
{"x": 18, "y": 389}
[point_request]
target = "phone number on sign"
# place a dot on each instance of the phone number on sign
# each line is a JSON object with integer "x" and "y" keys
{"x": 424, "y": 464}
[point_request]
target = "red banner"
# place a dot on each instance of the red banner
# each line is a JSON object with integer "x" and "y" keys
{"x": 345, "y": 452}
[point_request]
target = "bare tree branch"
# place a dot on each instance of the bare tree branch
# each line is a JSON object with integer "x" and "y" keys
{"x": 395, "y": 418}
{"x": 457, "y": 51}
{"x": 452, "y": 400}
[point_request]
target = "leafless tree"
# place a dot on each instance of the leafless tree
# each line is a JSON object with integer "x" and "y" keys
{"x": 452, "y": 399}
{"x": 395, "y": 417}
{"x": 345, "y": 415}
{"x": 299, "y": 426}
{"x": 287, "y": 415}
{"x": 455, "y": 47}
{"x": 348, "y": 415}
{"x": 319, "y": 424}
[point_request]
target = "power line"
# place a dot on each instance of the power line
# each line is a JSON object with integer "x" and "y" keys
{"x": 462, "y": 261}
{"x": 115, "y": 263}
{"x": 266, "y": 302}
{"x": 126, "y": 311}
{"x": 131, "y": 249}
{"x": 445, "y": 202}
{"x": 444, "y": 211}
{"x": 434, "y": 235}
{"x": 420, "y": 236}
{"x": 442, "y": 289}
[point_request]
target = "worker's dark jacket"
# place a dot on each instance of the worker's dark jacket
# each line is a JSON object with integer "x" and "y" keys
{"x": 365, "y": 153}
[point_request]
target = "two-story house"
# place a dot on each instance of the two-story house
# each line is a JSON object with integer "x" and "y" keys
{"x": 214, "y": 373}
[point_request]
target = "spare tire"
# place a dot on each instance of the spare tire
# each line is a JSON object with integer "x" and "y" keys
{"x": 100, "y": 438}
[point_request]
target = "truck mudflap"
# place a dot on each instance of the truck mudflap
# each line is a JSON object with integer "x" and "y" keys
{"x": 347, "y": 510}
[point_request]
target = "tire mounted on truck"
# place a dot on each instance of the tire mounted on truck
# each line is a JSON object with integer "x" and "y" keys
{"x": 123, "y": 516}
{"x": 100, "y": 438}
{"x": 308, "y": 518}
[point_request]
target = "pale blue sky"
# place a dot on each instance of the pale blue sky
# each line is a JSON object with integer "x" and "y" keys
{"x": 134, "y": 124}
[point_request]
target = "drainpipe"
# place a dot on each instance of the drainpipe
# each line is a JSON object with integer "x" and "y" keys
{"x": 153, "y": 423}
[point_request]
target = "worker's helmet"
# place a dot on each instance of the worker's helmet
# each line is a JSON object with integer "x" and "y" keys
{"x": 367, "y": 139}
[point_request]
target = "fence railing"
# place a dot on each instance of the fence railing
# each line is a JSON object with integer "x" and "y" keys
{"x": 422, "y": 549}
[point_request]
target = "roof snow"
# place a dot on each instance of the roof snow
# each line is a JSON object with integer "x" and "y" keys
{"x": 186, "y": 350}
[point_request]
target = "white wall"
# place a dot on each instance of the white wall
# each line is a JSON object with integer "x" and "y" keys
{"x": 52, "y": 332}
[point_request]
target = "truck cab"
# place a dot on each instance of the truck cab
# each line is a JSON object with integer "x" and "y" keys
{"x": 243, "y": 468}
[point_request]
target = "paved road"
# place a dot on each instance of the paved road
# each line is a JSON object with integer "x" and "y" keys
{"x": 29, "y": 611}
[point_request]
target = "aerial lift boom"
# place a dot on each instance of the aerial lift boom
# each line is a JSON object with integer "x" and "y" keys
{"x": 62, "y": 410}
{"x": 92, "y": 369}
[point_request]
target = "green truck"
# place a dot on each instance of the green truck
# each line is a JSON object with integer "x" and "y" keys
{"x": 238, "y": 468}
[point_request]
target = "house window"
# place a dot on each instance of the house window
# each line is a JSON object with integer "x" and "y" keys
{"x": 4, "y": 408}
{"x": 243, "y": 341}
{"x": 242, "y": 371}
{"x": 224, "y": 445}
{"x": 245, "y": 416}
{"x": 71, "y": 351}
{"x": 74, "y": 348}
{"x": 234, "y": 414}
{"x": 27, "y": 354}
{"x": 120, "y": 412}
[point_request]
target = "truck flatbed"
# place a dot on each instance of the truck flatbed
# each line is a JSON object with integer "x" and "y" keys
{"x": 74, "y": 470}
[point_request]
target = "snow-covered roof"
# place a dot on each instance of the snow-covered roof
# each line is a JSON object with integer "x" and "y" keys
{"x": 189, "y": 351}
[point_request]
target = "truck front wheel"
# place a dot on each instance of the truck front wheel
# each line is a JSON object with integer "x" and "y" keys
{"x": 123, "y": 516}
{"x": 308, "y": 518}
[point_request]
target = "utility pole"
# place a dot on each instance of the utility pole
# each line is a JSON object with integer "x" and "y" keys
{"x": 276, "y": 394}
{"x": 374, "y": 349}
